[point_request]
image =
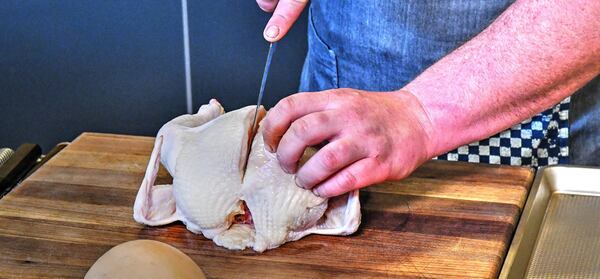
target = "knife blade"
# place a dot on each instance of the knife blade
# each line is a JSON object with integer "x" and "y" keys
{"x": 263, "y": 82}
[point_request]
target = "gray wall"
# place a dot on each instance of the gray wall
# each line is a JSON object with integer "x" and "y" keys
{"x": 118, "y": 66}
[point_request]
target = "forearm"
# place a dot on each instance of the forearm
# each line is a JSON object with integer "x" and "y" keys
{"x": 534, "y": 55}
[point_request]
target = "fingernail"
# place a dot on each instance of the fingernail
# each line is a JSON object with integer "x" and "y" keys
{"x": 317, "y": 192}
{"x": 286, "y": 170}
{"x": 282, "y": 166}
{"x": 299, "y": 182}
{"x": 272, "y": 31}
{"x": 269, "y": 148}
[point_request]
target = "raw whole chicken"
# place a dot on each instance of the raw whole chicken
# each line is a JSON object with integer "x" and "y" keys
{"x": 236, "y": 197}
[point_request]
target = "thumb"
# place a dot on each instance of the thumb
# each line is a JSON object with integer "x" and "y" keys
{"x": 284, "y": 16}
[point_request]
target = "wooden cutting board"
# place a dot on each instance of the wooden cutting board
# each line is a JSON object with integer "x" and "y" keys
{"x": 448, "y": 220}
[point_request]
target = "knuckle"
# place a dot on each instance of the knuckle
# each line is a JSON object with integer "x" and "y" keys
{"x": 331, "y": 92}
{"x": 286, "y": 104}
{"x": 329, "y": 160}
{"x": 346, "y": 181}
{"x": 339, "y": 95}
{"x": 354, "y": 95}
{"x": 321, "y": 118}
{"x": 300, "y": 128}
{"x": 349, "y": 94}
{"x": 283, "y": 16}
{"x": 342, "y": 147}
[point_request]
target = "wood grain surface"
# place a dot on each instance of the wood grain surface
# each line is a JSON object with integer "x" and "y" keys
{"x": 448, "y": 220}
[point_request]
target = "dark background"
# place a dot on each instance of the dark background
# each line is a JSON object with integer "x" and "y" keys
{"x": 67, "y": 67}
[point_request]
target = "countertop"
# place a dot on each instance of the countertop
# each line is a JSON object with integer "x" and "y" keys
{"x": 448, "y": 220}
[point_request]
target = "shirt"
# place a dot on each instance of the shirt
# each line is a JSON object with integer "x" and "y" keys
{"x": 381, "y": 45}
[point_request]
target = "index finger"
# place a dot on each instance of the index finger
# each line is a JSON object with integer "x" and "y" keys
{"x": 285, "y": 14}
{"x": 286, "y": 111}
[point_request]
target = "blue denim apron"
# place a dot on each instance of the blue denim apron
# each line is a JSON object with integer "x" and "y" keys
{"x": 381, "y": 45}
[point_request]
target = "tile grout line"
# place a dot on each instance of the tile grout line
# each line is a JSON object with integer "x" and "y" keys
{"x": 186, "y": 53}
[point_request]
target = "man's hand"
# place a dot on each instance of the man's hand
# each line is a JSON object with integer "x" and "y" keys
{"x": 285, "y": 13}
{"x": 370, "y": 137}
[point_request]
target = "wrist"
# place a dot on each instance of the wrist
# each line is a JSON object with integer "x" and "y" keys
{"x": 421, "y": 116}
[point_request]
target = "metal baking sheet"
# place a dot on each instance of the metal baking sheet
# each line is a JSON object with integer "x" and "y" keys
{"x": 558, "y": 235}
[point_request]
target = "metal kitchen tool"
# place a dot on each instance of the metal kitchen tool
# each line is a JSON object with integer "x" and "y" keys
{"x": 558, "y": 235}
{"x": 5, "y": 154}
{"x": 263, "y": 82}
{"x": 17, "y": 166}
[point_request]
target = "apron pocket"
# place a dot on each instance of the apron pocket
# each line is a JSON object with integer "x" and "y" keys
{"x": 320, "y": 70}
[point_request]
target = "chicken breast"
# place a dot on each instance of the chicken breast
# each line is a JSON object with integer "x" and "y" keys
{"x": 281, "y": 211}
{"x": 208, "y": 176}
{"x": 236, "y": 203}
